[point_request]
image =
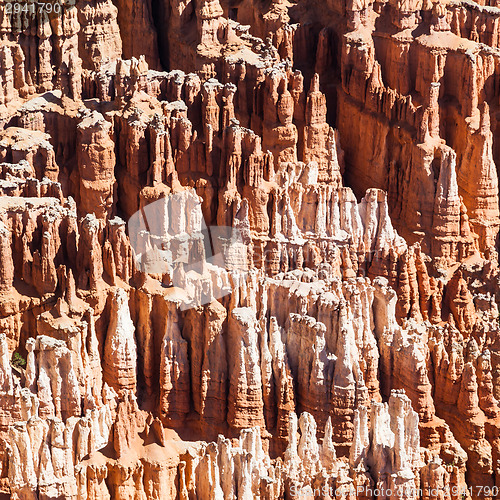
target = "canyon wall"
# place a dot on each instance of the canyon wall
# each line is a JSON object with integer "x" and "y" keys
{"x": 335, "y": 335}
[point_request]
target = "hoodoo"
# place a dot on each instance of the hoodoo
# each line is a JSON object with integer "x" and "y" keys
{"x": 249, "y": 249}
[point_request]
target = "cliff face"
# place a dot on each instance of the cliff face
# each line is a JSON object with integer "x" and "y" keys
{"x": 337, "y": 335}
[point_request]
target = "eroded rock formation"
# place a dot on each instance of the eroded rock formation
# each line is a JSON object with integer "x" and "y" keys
{"x": 335, "y": 335}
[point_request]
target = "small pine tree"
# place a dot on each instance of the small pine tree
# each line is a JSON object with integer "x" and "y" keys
{"x": 18, "y": 361}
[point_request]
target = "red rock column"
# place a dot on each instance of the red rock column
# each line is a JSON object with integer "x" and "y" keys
{"x": 96, "y": 164}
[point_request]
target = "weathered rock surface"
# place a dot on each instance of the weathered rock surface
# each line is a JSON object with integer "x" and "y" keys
{"x": 347, "y": 341}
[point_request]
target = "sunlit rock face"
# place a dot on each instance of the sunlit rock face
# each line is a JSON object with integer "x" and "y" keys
{"x": 249, "y": 250}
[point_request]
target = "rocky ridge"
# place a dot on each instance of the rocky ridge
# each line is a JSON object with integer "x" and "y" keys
{"x": 353, "y": 146}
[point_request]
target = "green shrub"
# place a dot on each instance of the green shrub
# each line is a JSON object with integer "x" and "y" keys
{"x": 18, "y": 361}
